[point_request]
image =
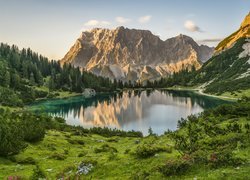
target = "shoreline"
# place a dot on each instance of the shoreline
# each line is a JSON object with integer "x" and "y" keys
{"x": 200, "y": 91}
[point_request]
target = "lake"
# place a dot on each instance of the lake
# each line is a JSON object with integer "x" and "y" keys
{"x": 129, "y": 110}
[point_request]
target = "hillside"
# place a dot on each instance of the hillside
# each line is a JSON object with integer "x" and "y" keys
{"x": 229, "y": 69}
{"x": 242, "y": 32}
{"x": 135, "y": 55}
{"x": 26, "y": 76}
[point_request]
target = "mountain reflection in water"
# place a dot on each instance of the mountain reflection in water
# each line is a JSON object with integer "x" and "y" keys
{"x": 130, "y": 110}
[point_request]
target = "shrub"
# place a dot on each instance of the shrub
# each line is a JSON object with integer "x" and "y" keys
{"x": 28, "y": 160}
{"x": 223, "y": 158}
{"x": 105, "y": 148}
{"x": 126, "y": 151}
{"x": 41, "y": 94}
{"x": 146, "y": 150}
{"x": 175, "y": 167}
{"x": 76, "y": 141}
{"x": 81, "y": 154}
{"x": 38, "y": 173}
{"x": 33, "y": 128}
{"x": 11, "y": 136}
{"x": 59, "y": 120}
{"x": 66, "y": 151}
{"x": 113, "y": 140}
{"x": 57, "y": 156}
{"x": 65, "y": 172}
{"x": 9, "y": 98}
{"x": 50, "y": 146}
{"x": 112, "y": 156}
{"x": 199, "y": 156}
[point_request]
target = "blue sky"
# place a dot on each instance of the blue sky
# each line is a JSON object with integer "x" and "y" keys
{"x": 50, "y": 27}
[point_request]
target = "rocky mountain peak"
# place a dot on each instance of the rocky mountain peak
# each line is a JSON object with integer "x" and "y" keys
{"x": 246, "y": 21}
{"x": 242, "y": 32}
{"x": 133, "y": 54}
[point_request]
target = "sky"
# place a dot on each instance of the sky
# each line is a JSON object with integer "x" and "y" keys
{"x": 50, "y": 27}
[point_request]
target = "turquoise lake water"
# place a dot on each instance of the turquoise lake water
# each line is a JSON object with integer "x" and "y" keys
{"x": 129, "y": 110}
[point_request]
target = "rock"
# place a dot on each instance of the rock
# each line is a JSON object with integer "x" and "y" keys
{"x": 137, "y": 141}
{"x": 84, "y": 168}
{"x": 100, "y": 140}
{"x": 49, "y": 170}
{"x": 243, "y": 31}
{"x": 132, "y": 54}
{"x": 88, "y": 92}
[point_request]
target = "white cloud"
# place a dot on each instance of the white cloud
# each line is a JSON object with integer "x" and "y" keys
{"x": 144, "y": 19}
{"x": 212, "y": 40}
{"x": 94, "y": 22}
{"x": 122, "y": 20}
{"x": 191, "y": 26}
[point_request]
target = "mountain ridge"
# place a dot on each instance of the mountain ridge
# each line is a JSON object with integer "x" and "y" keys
{"x": 229, "y": 69}
{"x": 242, "y": 32}
{"x": 132, "y": 54}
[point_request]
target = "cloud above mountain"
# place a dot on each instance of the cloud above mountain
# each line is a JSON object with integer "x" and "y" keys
{"x": 144, "y": 19}
{"x": 122, "y": 20}
{"x": 95, "y": 22}
{"x": 212, "y": 40}
{"x": 191, "y": 26}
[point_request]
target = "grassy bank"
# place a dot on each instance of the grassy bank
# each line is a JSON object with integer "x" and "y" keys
{"x": 225, "y": 96}
{"x": 60, "y": 154}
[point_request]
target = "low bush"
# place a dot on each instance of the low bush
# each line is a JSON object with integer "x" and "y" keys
{"x": 223, "y": 158}
{"x": 149, "y": 149}
{"x": 41, "y": 94}
{"x": 175, "y": 167}
{"x": 76, "y": 141}
{"x": 11, "y": 136}
{"x": 57, "y": 156}
{"x": 33, "y": 128}
{"x": 27, "y": 160}
{"x": 105, "y": 148}
{"x": 112, "y": 156}
{"x": 9, "y": 98}
{"x": 81, "y": 154}
{"x": 126, "y": 151}
{"x": 113, "y": 140}
{"x": 38, "y": 173}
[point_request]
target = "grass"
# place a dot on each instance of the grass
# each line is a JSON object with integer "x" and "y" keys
{"x": 62, "y": 94}
{"x": 237, "y": 94}
{"x": 10, "y": 108}
{"x": 226, "y": 95}
{"x": 107, "y": 165}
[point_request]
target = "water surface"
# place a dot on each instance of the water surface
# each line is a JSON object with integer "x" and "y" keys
{"x": 129, "y": 110}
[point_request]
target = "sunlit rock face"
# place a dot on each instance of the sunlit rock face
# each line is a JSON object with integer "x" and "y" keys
{"x": 243, "y": 32}
{"x": 136, "y": 55}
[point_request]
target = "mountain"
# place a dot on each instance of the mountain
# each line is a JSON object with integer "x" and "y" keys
{"x": 136, "y": 55}
{"x": 229, "y": 68}
{"x": 242, "y": 32}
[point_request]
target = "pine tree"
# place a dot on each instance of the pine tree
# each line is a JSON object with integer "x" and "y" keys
{"x": 32, "y": 79}
{"x": 15, "y": 80}
{"x": 6, "y": 79}
{"x": 51, "y": 84}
